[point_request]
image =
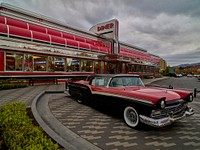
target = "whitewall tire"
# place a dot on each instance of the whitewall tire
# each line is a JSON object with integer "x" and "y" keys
{"x": 131, "y": 117}
{"x": 79, "y": 101}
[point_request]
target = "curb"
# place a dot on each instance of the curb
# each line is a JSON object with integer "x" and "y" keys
{"x": 56, "y": 130}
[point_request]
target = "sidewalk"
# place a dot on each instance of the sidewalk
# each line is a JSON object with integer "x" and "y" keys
{"x": 27, "y": 94}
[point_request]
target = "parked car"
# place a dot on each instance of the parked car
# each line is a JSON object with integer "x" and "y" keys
{"x": 189, "y": 75}
{"x": 179, "y": 75}
{"x": 153, "y": 106}
{"x": 198, "y": 77}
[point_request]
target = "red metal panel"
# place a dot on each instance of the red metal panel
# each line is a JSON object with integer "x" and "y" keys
{"x": 57, "y": 40}
{"x": 89, "y": 41}
{"x": 103, "y": 49}
{"x": 16, "y": 23}
{"x": 37, "y": 28}
{"x": 122, "y": 50}
{"x": 93, "y": 47}
{"x": 68, "y": 36}
{"x": 123, "y": 53}
{"x": 41, "y": 36}
{"x": 2, "y": 60}
{"x": 98, "y": 43}
{"x": 53, "y": 32}
{"x": 3, "y": 28}
{"x": 72, "y": 43}
{"x": 2, "y": 19}
{"x": 78, "y": 38}
{"x": 16, "y": 31}
{"x": 84, "y": 45}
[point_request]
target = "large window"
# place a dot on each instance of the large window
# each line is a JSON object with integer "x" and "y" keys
{"x": 59, "y": 64}
{"x": 87, "y": 65}
{"x": 56, "y": 63}
{"x": 14, "y": 62}
{"x": 32, "y": 62}
{"x": 73, "y": 64}
{"x": 96, "y": 66}
{"x": 51, "y": 63}
{"x": 40, "y": 63}
{"x": 28, "y": 62}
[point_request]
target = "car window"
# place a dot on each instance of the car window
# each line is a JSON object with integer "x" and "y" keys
{"x": 116, "y": 82}
{"x": 100, "y": 81}
{"x": 126, "y": 81}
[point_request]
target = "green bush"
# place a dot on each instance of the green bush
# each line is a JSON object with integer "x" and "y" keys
{"x": 18, "y": 131}
{"x": 8, "y": 81}
{"x": 12, "y": 86}
{"x": 148, "y": 77}
{"x": 158, "y": 76}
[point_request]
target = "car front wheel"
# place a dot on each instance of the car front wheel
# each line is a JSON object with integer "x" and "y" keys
{"x": 131, "y": 117}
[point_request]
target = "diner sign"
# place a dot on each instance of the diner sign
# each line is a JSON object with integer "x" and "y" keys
{"x": 107, "y": 29}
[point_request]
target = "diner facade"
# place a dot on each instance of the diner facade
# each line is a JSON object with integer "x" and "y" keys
{"x": 34, "y": 44}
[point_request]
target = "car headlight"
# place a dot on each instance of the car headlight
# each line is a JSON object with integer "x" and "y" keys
{"x": 161, "y": 104}
{"x": 191, "y": 98}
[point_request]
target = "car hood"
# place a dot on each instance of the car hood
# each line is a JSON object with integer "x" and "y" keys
{"x": 167, "y": 93}
{"x": 154, "y": 94}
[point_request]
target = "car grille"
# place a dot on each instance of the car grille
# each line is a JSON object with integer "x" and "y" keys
{"x": 174, "y": 109}
{"x": 171, "y": 110}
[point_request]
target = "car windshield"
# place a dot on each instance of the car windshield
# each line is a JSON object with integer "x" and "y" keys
{"x": 125, "y": 81}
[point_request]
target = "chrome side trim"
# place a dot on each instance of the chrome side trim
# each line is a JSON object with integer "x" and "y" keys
{"x": 122, "y": 96}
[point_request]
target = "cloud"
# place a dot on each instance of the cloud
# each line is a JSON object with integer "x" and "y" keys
{"x": 187, "y": 57}
{"x": 169, "y": 29}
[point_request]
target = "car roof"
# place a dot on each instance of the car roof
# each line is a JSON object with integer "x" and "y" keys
{"x": 116, "y": 75}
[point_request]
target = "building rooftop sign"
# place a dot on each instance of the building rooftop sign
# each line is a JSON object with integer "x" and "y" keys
{"x": 107, "y": 29}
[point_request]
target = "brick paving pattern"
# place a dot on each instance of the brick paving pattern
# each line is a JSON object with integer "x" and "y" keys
{"x": 108, "y": 131}
{"x": 27, "y": 94}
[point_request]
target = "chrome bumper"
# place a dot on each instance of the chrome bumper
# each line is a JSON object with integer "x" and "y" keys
{"x": 164, "y": 121}
{"x": 66, "y": 92}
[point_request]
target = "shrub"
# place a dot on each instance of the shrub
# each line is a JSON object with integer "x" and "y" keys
{"x": 148, "y": 77}
{"x": 12, "y": 86}
{"x": 158, "y": 76}
{"x": 8, "y": 81}
{"x": 18, "y": 131}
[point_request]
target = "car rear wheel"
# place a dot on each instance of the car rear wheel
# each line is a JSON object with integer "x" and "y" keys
{"x": 131, "y": 117}
{"x": 77, "y": 97}
{"x": 80, "y": 101}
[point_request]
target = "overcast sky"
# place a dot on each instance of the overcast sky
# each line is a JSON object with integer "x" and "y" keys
{"x": 167, "y": 28}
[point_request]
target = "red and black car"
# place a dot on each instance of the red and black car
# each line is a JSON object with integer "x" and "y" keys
{"x": 154, "y": 106}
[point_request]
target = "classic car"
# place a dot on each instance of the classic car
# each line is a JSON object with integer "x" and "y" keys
{"x": 141, "y": 104}
{"x": 198, "y": 77}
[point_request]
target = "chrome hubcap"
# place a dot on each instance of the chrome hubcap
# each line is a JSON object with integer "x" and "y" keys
{"x": 131, "y": 116}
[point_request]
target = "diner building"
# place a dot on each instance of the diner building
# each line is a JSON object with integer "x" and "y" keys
{"x": 31, "y": 43}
